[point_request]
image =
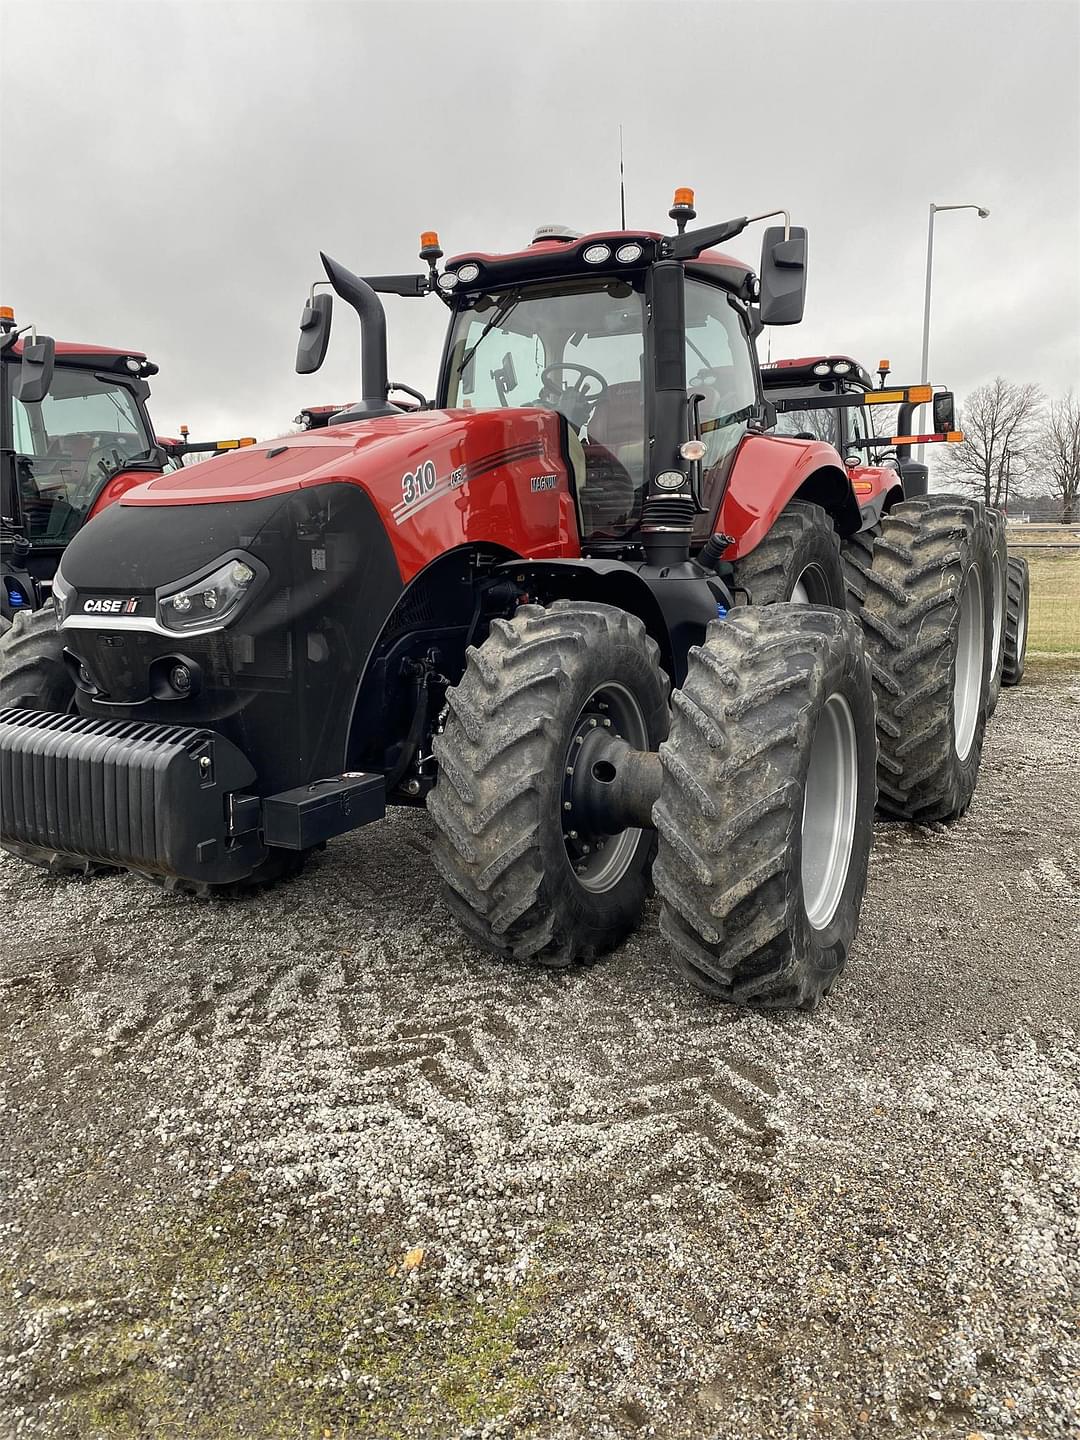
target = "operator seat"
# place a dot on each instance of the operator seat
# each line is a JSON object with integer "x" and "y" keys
{"x": 614, "y": 459}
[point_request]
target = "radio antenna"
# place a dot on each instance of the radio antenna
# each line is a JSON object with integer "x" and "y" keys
{"x": 622, "y": 184}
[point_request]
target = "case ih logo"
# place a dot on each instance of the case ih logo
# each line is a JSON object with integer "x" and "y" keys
{"x": 112, "y": 607}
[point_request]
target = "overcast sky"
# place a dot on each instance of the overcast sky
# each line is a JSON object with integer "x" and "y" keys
{"x": 170, "y": 171}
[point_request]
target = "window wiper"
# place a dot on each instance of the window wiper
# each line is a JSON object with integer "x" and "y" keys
{"x": 502, "y": 310}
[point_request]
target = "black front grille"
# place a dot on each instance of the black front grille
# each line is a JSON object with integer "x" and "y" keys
{"x": 152, "y": 797}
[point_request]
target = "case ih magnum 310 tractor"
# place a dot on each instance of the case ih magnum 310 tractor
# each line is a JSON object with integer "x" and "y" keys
{"x": 584, "y": 606}
{"x": 74, "y": 436}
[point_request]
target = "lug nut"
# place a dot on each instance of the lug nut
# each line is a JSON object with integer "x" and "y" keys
{"x": 566, "y": 805}
{"x": 572, "y": 835}
{"x": 593, "y": 724}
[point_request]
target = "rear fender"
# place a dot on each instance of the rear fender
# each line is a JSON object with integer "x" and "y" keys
{"x": 771, "y": 470}
{"x": 116, "y": 487}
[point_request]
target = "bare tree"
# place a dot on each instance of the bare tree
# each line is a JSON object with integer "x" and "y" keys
{"x": 1000, "y": 421}
{"x": 1060, "y": 440}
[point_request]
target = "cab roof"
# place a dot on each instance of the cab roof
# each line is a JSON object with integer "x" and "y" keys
{"x": 552, "y": 256}
{"x": 801, "y": 371}
{"x": 101, "y": 356}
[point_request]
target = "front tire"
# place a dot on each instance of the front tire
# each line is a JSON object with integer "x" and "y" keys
{"x": 522, "y": 873}
{"x": 927, "y": 621}
{"x": 33, "y": 675}
{"x": 766, "y": 810}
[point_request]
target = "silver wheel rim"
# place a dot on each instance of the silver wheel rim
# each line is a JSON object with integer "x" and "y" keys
{"x": 809, "y": 579}
{"x": 999, "y": 614}
{"x": 828, "y": 819}
{"x": 608, "y": 857}
{"x": 968, "y": 672}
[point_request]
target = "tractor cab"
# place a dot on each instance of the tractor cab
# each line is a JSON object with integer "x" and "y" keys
{"x": 73, "y": 423}
{"x": 642, "y": 344}
{"x": 564, "y": 325}
{"x": 813, "y": 377}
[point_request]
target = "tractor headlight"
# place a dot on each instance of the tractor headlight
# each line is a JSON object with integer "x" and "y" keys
{"x": 468, "y": 272}
{"x": 841, "y": 367}
{"x": 629, "y": 254}
{"x": 209, "y": 601}
{"x": 597, "y": 254}
{"x": 821, "y": 368}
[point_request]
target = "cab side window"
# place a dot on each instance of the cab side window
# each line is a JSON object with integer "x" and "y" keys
{"x": 857, "y": 429}
{"x": 718, "y": 367}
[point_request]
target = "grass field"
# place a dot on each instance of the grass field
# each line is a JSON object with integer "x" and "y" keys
{"x": 1054, "y": 619}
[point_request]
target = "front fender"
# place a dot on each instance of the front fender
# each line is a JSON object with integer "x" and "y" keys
{"x": 771, "y": 470}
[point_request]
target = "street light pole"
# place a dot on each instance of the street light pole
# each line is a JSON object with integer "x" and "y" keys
{"x": 983, "y": 214}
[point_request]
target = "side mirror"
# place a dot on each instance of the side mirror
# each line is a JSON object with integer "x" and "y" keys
{"x": 783, "y": 275}
{"x": 944, "y": 412}
{"x": 314, "y": 333}
{"x": 36, "y": 370}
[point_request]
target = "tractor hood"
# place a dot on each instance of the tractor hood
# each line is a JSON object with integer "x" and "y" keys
{"x": 438, "y": 479}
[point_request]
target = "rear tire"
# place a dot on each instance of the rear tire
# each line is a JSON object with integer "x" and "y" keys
{"x": 856, "y": 557}
{"x": 927, "y": 621}
{"x": 503, "y": 847}
{"x": 798, "y": 560}
{"x": 999, "y": 556}
{"x": 762, "y": 856}
{"x": 1017, "y": 599}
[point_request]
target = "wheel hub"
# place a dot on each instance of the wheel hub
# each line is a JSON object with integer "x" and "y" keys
{"x": 601, "y": 790}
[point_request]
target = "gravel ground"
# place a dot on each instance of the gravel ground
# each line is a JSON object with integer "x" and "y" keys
{"x": 230, "y": 1130}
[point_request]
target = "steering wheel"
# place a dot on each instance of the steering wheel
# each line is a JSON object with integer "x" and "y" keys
{"x": 576, "y": 401}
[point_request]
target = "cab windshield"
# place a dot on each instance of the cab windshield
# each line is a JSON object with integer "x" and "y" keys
{"x": 577, "y": 348}
{"x": 87, "y": 428}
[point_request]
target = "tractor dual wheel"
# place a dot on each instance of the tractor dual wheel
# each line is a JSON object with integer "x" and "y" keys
{"x": 927, "y": 621}
{"x": 1017, "y": 597}
{"x": 543, "y": 770}
{"x": 798, "y": 560}
{"x": 33, "y": 676}
{"x": 765, "y": 815}
{"x": 999, "y": 556}
{"x": 856, "y": 557}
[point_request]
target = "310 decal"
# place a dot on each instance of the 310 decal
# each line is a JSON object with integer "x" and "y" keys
{"x": 418, "y": 483}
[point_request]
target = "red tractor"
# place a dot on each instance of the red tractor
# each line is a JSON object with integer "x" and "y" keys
{"x": 75, "y": 435}
{"x": 832, "y": 397}
{"x": 583, "y": 605}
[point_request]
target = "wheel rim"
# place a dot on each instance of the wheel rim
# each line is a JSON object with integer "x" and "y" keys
{"x": 599, "y": 861}
{"x": 828, "y": 820}
{"x": 810, "y": 587}
{"x": 999, "y": 614}
{"x": 967, "y": 678}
